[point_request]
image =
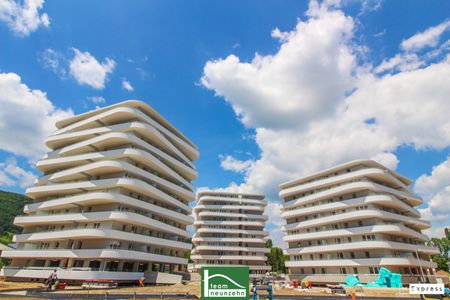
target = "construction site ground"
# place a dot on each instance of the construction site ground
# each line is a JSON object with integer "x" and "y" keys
{"x": 192, "y": 288}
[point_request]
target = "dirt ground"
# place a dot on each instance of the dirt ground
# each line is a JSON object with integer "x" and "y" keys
{"x": 7, "y": 285}
{"x": 195, "y": 289}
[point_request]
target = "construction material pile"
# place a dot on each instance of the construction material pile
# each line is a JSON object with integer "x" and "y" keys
{"x": 385, "y": 279}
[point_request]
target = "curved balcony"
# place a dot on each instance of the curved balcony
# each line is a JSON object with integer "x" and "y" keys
{"x": 101, "y": 198}
{"x": 358, "y": 215}
{"x": 232, "y": 231}
{"x": 230, "y": 257}
{"x": 124, "y": 114}
{"x": 51, "y": 165}
{"x": 229, "y": 207}
{"x": 95, "y": 254}
{"x": 231, "y": 215}
{"x": 91, "y": 170}
{"x": 364, "y": 245}
{"x": 251, "y": 267}
{"x": 365, "y": 163}
{"x": 62, "y": 140}
{"x": 232, "y": 248}
{"x": 108, "y": 234}
{"x": 91, "y": 217}
{"x": 229, "y": 239}
{"x": 136, "y": 185}
{"x": 391, "y": 229}
{"x": 119, "y": 139}
{"x": 384, "y": 200}
{"x": 373, "y": 173}
{"x": 352, "y": 187}
{"x": 207, "y": 198}
{"x": 377, "y": 262}
{"x": 228, "y": 223}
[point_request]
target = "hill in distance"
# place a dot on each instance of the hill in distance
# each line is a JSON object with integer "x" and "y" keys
{"x": 11, "y": 205}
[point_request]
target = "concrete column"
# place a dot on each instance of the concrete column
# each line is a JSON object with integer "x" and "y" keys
{"x": 70, "y": 263}
{"x": 120, "y": 266}
{"x": 135, "y": 266}
{"x": 102, "y": 265}
{"x": 63, "y": 263}
{"x": 47, "y": 263}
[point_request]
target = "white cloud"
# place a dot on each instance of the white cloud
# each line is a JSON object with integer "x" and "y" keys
{"x": 27, "y": 117}
{"x": 313, "y": 104}
{"x": 127, "y": 85}
{"x": 23, "y": 18}
{"x": 290, "y": 88}
{"x": 230, "y": 163}
{"x": 428, "y": 185}
{"x": 97, "y": 100}
{"x": 435, "y": 190}
{"x": 54, "y": 61}
{"x": 16, "y": 176}
{"x": 401, "y": 62}
{"x": 427, "y": 38}
{"x": 87, "y": 70}
{"x": 273, "y": 211}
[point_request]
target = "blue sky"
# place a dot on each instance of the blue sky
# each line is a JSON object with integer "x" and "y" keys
{"x": 268, "y": 90}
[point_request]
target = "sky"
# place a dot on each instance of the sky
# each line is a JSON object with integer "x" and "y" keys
{"x": 269, "y": 91}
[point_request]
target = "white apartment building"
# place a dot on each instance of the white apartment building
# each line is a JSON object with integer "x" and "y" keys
{"x": 230, "y": 231}
{"x": 353, "y": 219}
{"x": 112, "y": 202}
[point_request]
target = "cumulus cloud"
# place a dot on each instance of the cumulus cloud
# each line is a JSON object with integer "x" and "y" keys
{"x": 435, "y": 190}
{"x": 230, "y": 163}
{"x": 27, "y": 117}
{"x": 97, "y": 100}
{"x": 23, "y": 18}
{"x": 13, "y": 175}
{"x": 127, "y": 85}
{"x": 273, "y": 211}
{"x": 427, "y": 38}
{"x": 87, "y": 70}
{"x": 290, "y": 88}
{"x": 314, "y": 104}
{"x": 54, "y": 61}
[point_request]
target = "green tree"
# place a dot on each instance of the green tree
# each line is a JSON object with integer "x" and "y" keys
{"x": 443, "y": 244}
{"x": 187, "y": 255}
{"x": 275, "y": 258}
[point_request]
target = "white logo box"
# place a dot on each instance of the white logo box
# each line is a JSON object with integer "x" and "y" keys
{"x": 426, "y": 288}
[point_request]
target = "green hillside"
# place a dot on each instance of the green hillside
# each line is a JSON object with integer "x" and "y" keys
{"x": 11, "y": 205}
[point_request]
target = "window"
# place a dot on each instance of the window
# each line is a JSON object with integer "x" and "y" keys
{"x": 355, "y": 270}
{"x": 343, "y": 271}
{"x": 313, "y": 270}
{"x": 349, "y": 239}
{"x": 323, "y": 271}
{"x": 367, "y": 255}
{"x": 352, "y": 254}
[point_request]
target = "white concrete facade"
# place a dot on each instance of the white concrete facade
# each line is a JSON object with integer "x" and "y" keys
{"x": 112, "y": 202}
{"x": 230, "y": 231}
{"x": 353, "y": 219}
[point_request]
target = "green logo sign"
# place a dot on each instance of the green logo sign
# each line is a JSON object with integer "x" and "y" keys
{"x": 225, "y": 282}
